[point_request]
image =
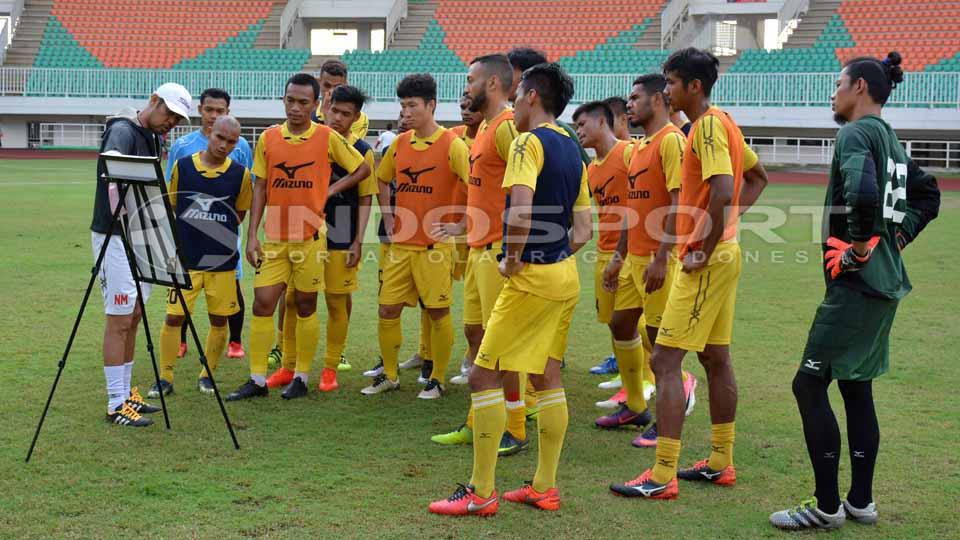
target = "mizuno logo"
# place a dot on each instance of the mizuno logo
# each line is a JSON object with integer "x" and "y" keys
{"x": 858, "y": 453}
{"x": 601, "y": 190}
{"x": 291, "y": 171}
{"x": 473, "y": 507}
{"x": 711, "y": 475}
{"x": 632, "y": 178}
{"x": 810, "y": 363}
{"x": 206, "y": 202}
{"x": 413, "y": 175}
{"x": 649, "y": 492}
{"x": 200, "y": 215}
{"x": 829, "y": 455}
{"x": 290, "y": 184}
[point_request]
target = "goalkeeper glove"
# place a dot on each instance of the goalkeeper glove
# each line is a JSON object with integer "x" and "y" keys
{"x": 841, "y": 257}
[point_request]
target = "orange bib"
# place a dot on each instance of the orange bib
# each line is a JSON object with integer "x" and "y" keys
{"x": 485, "y": 198}
{"x": 297, "y": 180}
{"x": 426, "y": 189}
{"x": 647, "y": 193}
{"x": 608, "y": 184}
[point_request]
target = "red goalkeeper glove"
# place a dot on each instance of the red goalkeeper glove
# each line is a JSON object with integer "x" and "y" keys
{"x": 842, "y": 258}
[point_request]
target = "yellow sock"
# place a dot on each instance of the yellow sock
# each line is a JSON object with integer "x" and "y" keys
{"x": 630, "y": 361}
{"x": 213, "y": 350}
{"x": 308, "y": 336}
{"x": 470, "y": 415}
{"x": 261, "y": 339}
{"x": 441, "y": 345}
{"x": 552, "y": 424}
{"x": 391, "y": 337}
{"x": 721, "y": 443}
{"x": 338, "y": 323}
{"x": 169, "y": 346}
{"x": 288, "y": 344}
{"x": 491, "y": 416}
{"x": 517, "y": 419}
{"x": 668, "y": 454}
{"x": 425, "y": 350}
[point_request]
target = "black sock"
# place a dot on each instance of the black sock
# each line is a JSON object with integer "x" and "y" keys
{"x": 236, "y": 320}
{"x": 863, "y": 437}
{"x": 822, "y": 434}
{"x": 183, "y": 333}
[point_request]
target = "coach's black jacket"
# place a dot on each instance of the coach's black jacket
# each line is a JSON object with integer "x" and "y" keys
{"x": 123, "y": 134}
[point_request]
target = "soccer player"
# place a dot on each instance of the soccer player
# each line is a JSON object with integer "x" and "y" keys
{"x": 877, "y": 202}
{"x": 427, "y": 164}
{"x": 488, "y": 80}
{"x": 333, "y": 73}
{"x": 642, "y": 269}
{"x": 467, "y": 133}
{"x": 210, "y": 194}
{"x": 214, "y": 103}
{"x": 135, "y": 133}
{"x": 720, "y": 177}
{"x": 294, "y": 162}
{"x": 347, "y": 214}
{"x": 548, "y": 194}
{"x": 621, "y": 121}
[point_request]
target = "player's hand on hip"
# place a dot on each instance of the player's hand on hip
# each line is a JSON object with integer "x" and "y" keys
{"x": 611, "y": 274}
{"x": 842, "y": 257}
{"x": 694, "y": 260}
{"x": 354, "y": 254}
{"x": 442, "y": 231}
{"x": 254, "y": 252}
{"x": 655, "y": 274}
{"x": 510, "y": 267}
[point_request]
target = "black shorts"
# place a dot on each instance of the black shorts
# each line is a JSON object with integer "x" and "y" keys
{"x": 850, "y": 336}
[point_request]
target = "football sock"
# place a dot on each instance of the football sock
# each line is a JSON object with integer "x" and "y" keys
{"x": 552, "y": 425}
{"x": 721, "y": 444}
{"x": 338, "y": 323}
{"x": 127, "y": 376}
{"x": 490, "y": 419}
{"x": 470, "y": 418}
{"x": 115, "y": 395}
{"x": 236, "y": 320}
{"x": 169, "y": 345}
{"x": 261, "y": 337}
{"x": 426, "y": 344}
{"x": 517, "y": 419}
{"x": 863, "y": 437}
{"x": 441, "y": 345}
{"x": 668, "y": 454}
{"x": 308, "y": 336}
{"x": 213, "y": 349}
{"x": 629, "y": 359}
{"x": 289, "y": 344}
{"x": 822, "y": 436}
{"x": 391, "y": 337}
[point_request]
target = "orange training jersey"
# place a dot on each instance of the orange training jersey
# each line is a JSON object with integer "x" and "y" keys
{"x": 485, "y": 198}
{"x": 608, "y": 185}
{"x": 425, "y": 182}
{"x": 297, "y": 180}
{"x": 649, "y": 189}
{"x": 695, "y": 191}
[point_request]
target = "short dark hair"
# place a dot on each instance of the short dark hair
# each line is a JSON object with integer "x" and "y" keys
{"x": 334, "y": 67}
{"x": 524, "y": 58}
{"x": 617, "y": 105}
{"x": 348, "y": 94}
{"x": 499, "y": 65}
{"x": 304, "y": 79}
{"x": 692, "y": 63}
{"x": 421, "y": 85}
{"x": 551, "y": 83}
{"x": 389, "y": 126}
{"x": 595, "y": 109}
{"x": 882, "y": 76}
{"x": 653, "y": 83}
{"x": 215, "y": 93}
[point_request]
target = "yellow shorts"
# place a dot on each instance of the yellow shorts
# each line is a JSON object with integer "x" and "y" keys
{"x": 482, "y": 283}
{"x": 632, "y": 292}
{"x": 338, "y": 279}
{"x": 604, "y": 299}
{"x": 524, "y": 331}
{"x": 460, "y": 258}
{"x": 297, "y": 263}
{"x": 411, "y": 275}
{"x": 700, "y": 307}
{"x": 382, "y": 258}
{"x": 219, "y": 289}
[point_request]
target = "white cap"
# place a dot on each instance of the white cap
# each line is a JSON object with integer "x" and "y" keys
{"x": 177, "y": 98}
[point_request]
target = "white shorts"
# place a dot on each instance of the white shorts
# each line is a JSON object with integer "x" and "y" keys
{"x": 116, "y": 283}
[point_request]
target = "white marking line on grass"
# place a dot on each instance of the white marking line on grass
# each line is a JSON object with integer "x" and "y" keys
{"x": 22, "y": 184}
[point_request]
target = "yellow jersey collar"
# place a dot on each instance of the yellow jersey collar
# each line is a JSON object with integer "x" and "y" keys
{"x": 207, "y": 172}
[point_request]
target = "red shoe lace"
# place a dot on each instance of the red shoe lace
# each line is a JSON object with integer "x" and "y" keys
{"x": 644, "y": 476}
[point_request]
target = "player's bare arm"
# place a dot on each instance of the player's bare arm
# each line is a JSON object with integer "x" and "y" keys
{"x": 754, "y": 182}
{"x": 656, "y": 272}
{"x": 363, "y": 217}
{"x": 518, "y": 229}
{"x": 611, "y": 273}
{"x": 254, "y": 252}
{"x": 582, "y": 229}
{"x": 721, "y": 194}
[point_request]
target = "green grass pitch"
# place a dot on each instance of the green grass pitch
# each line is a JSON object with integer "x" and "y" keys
{"x": 350, "y": 466}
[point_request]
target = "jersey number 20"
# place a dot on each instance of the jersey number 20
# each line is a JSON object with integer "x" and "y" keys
{"x": 895, "y": 192}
